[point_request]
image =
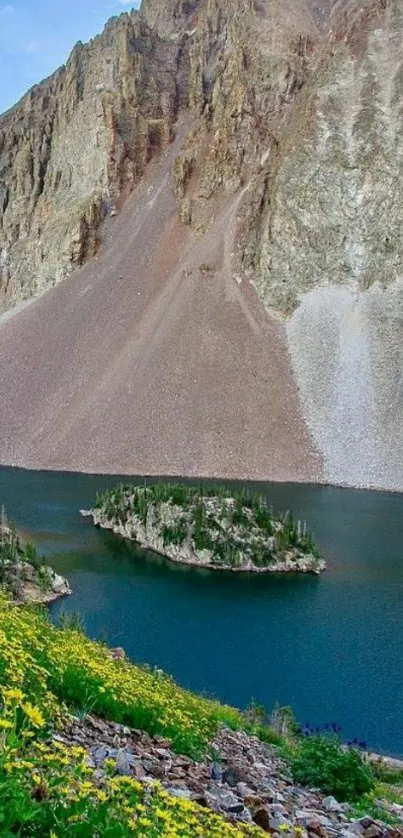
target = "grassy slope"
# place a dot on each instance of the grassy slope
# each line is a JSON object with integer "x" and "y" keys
{"x": 47, "y": 790}
{"x": 50, "y": 792}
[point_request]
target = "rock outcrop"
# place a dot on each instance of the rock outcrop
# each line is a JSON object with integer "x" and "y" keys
{"x": 29, "y": 584}
{"x": 76, "y": 144}
{"x": 284, "y": 179}
{"x": 23, "y": 574}
{"x": 82, "y": 139}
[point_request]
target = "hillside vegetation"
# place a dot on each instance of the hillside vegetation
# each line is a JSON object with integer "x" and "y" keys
{"x": 50, "y": 788}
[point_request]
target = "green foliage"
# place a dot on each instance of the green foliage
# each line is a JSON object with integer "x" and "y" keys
{"x": 371, "y": 804}
{"x": 267, "y": 734}
{"x": 66, "y": 667}
{"x": 178, "y": 494}
{"x": 175, "y": 534}
{"x": 201, "y": 535}
{"x": 44, "y": 578}
{"x": 12, "y": 554}
{"x": 10, "y": 548}
{"x": 261, "y": 555}
{"x": 49, "y": 790}
{"x": 384, "y": 773}
{"x": 31, "y": 556}
{"x": 283, "y": 720}
{"x": 239, "y": 515}
{"x": 71, "y": 621}
{"x": 262, "y": 724}
{"x": 322, "y": 762}
{"x": 256, "y": 714}
{"x": 264, "y": 519}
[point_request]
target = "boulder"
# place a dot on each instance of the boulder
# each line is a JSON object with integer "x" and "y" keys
{"x": 216, "y": 771}
{"x": 124, "y": 764}
{"x": 222, "y": 800}
{"x": 331, "y": 804}
{"x": 262, "y": 818}
{"x": 231, "y": 776}
{"x": 59, "y": 585}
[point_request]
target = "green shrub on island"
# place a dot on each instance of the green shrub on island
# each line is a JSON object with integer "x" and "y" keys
{"x": 209, "y": 526}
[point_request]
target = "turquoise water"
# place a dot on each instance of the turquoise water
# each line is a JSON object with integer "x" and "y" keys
{"x": 330, "y": 646}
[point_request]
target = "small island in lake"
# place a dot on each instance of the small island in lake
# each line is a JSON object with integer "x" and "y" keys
{"x": 208, "y": 527}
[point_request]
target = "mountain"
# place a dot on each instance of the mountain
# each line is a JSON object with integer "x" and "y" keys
{"x": 225, "y": 180}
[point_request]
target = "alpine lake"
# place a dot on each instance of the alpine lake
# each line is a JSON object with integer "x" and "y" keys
{"x": 329, "y": 646}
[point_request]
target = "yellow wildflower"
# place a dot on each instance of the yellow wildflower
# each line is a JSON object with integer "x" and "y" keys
{"x": 34, "y": 715}
{"x": 13, "y": 695}
{"x": 5, "y": 724}
{"x": 58, "y": 745}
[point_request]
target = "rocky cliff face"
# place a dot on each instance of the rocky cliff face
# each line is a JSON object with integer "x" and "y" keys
{"x": 78, "y": 142}
{"x": 287, "y": 175}
{"x": 83, "y": 139}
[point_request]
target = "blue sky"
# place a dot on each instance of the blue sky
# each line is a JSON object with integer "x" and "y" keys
{"x": 36, "y": 36}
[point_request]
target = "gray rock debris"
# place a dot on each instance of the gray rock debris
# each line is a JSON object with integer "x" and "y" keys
{"x": 236, "y": 786}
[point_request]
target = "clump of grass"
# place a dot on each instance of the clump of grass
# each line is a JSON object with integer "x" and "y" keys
{"x": 386, "y": 774}
{"x": 372, "y": 804}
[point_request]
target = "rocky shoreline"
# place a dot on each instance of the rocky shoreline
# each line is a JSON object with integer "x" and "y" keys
{"x": 186, "y": 556}
{"x": 246, "y": 782}
{"x": 31, "y": 585}
{"x": 208, "y": 528}
{"x": 24, "y": 574}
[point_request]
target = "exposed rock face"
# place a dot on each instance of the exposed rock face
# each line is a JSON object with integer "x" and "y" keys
{"x": 29, "y": 585}
{"x": 75, "y": 144}
{"x": 23, "y": 574}
{"x": 287, "y": 175}
{"x": 83, "y": 138}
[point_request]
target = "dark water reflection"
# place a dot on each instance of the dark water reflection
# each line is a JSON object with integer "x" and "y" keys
{"x": 332, "y": 647}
